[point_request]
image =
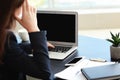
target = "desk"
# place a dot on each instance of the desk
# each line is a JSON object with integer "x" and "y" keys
{"x": 94, "y": 47}
{"x": 88, "y": 47}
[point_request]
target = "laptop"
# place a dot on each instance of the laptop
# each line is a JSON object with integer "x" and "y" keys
{"x": 62, "y": 31}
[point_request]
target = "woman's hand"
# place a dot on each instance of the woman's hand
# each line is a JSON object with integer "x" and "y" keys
{"x": 50, "y": 45}
{"x": 28, "y": 19}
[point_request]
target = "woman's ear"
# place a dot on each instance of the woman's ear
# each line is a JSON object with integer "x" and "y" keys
{"x": 18, "y": 13}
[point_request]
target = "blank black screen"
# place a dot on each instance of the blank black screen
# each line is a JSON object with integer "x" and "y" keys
{"x": 59, "y": 27}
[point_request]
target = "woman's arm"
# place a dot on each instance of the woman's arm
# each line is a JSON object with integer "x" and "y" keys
{"x": 18, "y": 60}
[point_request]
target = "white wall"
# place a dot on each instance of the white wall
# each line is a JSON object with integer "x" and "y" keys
{"x": 99, "y": 20}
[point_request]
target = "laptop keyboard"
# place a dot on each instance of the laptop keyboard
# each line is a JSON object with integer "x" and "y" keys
{"x": 60, "y": 49}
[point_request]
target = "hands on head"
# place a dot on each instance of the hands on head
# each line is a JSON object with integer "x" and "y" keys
{"x": 28, "y": 19}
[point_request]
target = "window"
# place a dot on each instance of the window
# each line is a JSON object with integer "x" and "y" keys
{"x": 82, "y": 6}
{"x": 40, "y": 3}
{"x": 76, "y": 4}
{"x": 86, "y": 4}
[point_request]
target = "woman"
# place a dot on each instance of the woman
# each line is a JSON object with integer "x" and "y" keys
{"x": 14, "y": 61}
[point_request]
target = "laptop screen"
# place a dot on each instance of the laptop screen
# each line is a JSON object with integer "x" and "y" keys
{"x": 60, "y": 25}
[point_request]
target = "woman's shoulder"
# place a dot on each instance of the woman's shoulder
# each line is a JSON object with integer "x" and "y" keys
{"x": 10, "y": 36}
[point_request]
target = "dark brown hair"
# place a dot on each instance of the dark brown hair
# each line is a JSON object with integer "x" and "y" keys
{"x": 7, "y": 10}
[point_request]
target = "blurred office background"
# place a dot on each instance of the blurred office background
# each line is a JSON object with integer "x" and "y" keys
{"x": 96, "y": 17}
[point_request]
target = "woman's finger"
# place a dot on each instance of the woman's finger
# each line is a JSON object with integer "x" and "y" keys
{"x": 24, "y": 5}
{"x": 27, "y": 5}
